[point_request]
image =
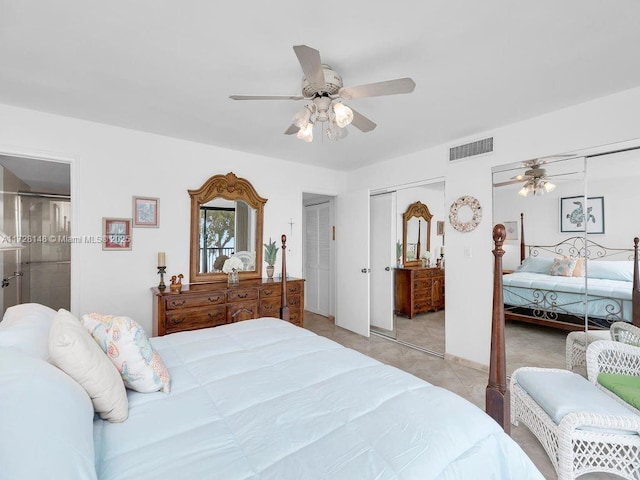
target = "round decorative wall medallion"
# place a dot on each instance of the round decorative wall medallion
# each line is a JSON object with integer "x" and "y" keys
{"x": 465, "y": 214}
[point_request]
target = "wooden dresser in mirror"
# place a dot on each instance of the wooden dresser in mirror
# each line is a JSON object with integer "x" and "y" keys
{"x": 418, "y": 289}
{"x": 226, "y": 221}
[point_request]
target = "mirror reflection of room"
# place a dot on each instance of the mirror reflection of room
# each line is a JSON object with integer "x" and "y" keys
{"x": 418, "y": 297}
{"x": 579, "y": 225}
{"x": 527, "y": 200}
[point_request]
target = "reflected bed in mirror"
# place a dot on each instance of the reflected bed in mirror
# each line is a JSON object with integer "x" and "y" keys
{"x": 548, "y": 288}
{"x": 226, "y": 222}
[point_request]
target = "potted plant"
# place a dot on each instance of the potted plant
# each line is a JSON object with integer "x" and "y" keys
{"x": 270, "y": 254}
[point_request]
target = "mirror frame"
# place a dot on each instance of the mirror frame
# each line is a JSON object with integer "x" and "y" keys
{"x": 420, "y": 210}
{"x": 229, "y": 187}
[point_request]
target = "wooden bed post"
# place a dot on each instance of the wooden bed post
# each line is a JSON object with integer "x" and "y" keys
{"x": 497, "y": 393}
{"x": 635, "y": 294}
{"x": 284, "y": 305}
{"x": 522, "y": 256}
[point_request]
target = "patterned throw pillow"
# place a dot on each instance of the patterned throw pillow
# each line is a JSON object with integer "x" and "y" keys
{"x": 563, "y": 267}
{"x": 579, "y": 270}
{"x": 127, "y": 346}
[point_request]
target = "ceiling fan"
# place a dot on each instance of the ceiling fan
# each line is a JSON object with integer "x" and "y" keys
{"x": 323, "y": 87}
{"x": 535, "y": 178}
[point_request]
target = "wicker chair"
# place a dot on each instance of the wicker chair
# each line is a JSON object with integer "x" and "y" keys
{"x": 576, "y": 346}
{"x": 613, "y": 357}
{"x": 583, "y": 441}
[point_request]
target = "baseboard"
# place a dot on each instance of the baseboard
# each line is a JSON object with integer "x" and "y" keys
{"x": 466, "y": 363}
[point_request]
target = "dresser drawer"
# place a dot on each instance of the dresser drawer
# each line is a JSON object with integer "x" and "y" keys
{"x": 422, "y": 284}
{"x": 269, "y": 307}
{"x": 239, "y": 311}
{"x": 178, "y": 321}
{"x": 270, "y": 291}
{"x": 211, "y": 298}
{"x": 294, "y": 288}
{"x": 242, "y": 294}
{"x": 295, "y": 317}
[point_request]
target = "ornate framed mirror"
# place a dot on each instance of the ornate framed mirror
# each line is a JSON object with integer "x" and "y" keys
{"x": 226, "y": 221}
{"x": 416, "y": 233}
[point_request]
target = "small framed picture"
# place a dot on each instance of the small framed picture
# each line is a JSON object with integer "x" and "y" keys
{"x": 146, "y": 212}
{"x": 512, "y": 230}
{"x": 576, "y": 217}
{"x": 440, "y": 227}
{"x": 116, "y": 233}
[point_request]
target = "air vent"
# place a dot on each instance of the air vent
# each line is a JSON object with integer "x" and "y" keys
{"x": 471, "y": 149}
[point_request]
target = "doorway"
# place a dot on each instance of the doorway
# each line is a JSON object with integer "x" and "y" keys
{"x": 36, "y": 215}
{"x": 318, "y": 254}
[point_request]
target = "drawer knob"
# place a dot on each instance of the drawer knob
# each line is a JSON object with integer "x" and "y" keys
{"x": 214, "y": 315}
{"x": 243, "y": 295}
{"x": 176, "y": 320}
{"x": 178, "y": 304}
{"x": 214, "y": 299}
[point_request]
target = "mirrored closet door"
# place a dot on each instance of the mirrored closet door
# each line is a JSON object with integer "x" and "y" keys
{"x": 407, "y": 265}
{"x": 541, "y": 204}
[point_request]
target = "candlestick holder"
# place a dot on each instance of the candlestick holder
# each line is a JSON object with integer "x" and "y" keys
{"x": 161, "y": 272}
{"x": 442, "y": 260}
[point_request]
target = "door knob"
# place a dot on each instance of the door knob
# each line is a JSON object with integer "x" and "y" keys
{"x": 365, "y": 270}
{"x": 387, "y": 269}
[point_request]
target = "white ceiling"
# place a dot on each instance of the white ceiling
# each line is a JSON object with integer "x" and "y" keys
{"x": 168, "y": 67}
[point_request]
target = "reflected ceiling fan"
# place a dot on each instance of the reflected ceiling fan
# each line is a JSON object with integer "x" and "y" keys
{"x": 323, "y": 88}
{"x": 535, "y": 178}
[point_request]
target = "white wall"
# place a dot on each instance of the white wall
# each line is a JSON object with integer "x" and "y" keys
{"x": 469, "y": 280}
{"x": 110, "y": 165}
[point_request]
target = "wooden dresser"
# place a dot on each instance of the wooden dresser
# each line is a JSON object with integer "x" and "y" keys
{"x": 418, "y": 290}
{"x": 206, "y": 305}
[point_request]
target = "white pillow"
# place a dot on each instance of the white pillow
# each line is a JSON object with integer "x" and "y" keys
{"x": 72, "y": 349}
{"x": 26, "y": 327}
{"x": 126, "y": 344}
{"x": 46, "y": 420}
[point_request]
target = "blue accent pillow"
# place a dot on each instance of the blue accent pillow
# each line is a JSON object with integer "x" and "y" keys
{"x": 611, "y": 270}
{"x": 47, "y": 421}
{"x": 536, "y": 265}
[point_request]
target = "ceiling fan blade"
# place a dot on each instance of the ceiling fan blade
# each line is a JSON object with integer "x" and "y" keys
{"x": 389, "y": 87}
{"x": 362, "y": 123}
{"x": 291, "y": 130}
{"x": 520, "y": 178}
{"x": 309, "y": 59}
{"x": 266, "y": 97}
{"x": 508, "y": 182}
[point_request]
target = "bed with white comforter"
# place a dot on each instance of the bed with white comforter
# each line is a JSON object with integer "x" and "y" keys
{"x": 259, "y": 399}
{"x": 265, "y": 399}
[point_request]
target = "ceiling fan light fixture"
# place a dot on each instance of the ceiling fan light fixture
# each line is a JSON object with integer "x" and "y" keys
{"x": 525, "y": 190}
{"x": 344, "y": 115}
{"x": 306, "y": 132}
{"x": 301, "y": 118}
{"x": 549, "y": 187}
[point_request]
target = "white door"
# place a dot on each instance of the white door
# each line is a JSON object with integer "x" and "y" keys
{"x": 317, "y": 258}
{"x": 382, "y": 261}
{"x": 352, "y": 260}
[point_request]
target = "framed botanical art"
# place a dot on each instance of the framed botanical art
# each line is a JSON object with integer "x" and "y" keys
{"x": 512, "y": 230}
{"x": 146, "y": 211}
{"x": 440, "y": 227}
{"x": 575, "y": 217}
{"x": 116, "y": 233}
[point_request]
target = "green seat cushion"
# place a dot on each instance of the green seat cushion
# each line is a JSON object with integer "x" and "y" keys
{"x": 627, "y": 387}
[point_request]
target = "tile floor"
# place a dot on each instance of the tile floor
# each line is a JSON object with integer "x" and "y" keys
{"x": 466, "y": 382}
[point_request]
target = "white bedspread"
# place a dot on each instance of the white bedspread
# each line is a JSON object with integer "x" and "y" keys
{"x": 265, "y": 399}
